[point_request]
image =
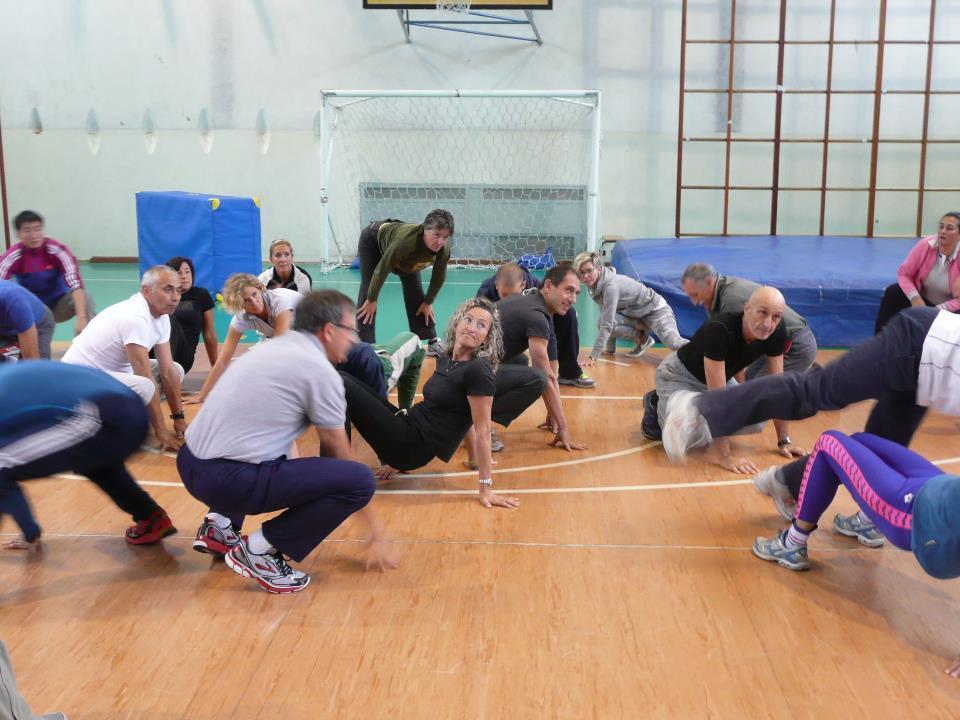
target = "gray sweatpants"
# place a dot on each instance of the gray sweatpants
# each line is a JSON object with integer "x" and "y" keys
{"x": 660, "y": 322}
{"x": 672, "y": 376}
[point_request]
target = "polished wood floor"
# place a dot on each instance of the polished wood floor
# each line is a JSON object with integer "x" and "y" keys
{"x": 623, "y": 587}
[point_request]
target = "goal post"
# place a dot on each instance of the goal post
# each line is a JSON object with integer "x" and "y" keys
{"x": 519, "y": 170}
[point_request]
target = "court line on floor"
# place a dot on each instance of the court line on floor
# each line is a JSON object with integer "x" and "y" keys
{"x": 534, "y": 491}
{"x": 614, "y": 362}
{"x": 480, "y": 543}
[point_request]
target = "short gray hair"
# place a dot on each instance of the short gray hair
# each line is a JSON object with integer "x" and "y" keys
{"x": 699, "y": 273}
{"x": 151, "y": 278}
{"x": 439, "y": 220}
{"x": 319, "y": 308}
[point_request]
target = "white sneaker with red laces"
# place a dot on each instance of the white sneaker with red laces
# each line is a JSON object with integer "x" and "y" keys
{"x": 270, "y": 570}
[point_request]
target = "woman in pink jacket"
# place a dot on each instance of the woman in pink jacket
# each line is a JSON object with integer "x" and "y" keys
{"x": 929, "y": 275}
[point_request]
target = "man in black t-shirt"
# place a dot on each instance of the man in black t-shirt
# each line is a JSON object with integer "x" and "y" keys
{"x": 526, "y": 320}
{"x": 719, "y": 352}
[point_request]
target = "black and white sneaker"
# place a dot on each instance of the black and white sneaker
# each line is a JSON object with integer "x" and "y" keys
{"x": 271, "y": 570}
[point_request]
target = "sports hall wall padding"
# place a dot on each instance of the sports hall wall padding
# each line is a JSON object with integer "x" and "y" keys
{"x": 219, "y": 233}
{"x": 834, "y": 282}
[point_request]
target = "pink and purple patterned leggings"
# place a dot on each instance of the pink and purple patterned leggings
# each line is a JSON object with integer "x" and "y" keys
{"x": 882, "y": 477}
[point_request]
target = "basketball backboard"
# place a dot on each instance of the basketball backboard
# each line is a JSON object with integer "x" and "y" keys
{"x": 432, "y": 5}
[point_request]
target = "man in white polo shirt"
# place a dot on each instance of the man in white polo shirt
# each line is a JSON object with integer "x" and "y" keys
{"x": 118, "y": 341}
{"x": 236, "y": 461}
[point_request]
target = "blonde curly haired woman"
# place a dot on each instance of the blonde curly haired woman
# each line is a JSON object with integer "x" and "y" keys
{"x": 460, "y": 394}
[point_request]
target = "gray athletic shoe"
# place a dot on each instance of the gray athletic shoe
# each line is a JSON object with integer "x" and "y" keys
{"x": 775, "y": 549}
{"x": 584, "y": 381}
{"x": 640, "y": 348}
{"x": 685, "y": 427}
{"x": 496, "y": 444}
{"x": 854, "y": 526}
{"x": 768, "y": 482}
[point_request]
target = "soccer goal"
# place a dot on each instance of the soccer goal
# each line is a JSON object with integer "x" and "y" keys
{"x": 518, "y": 170}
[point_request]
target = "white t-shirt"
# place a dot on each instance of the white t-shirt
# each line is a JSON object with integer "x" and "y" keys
{"x": 301, "y": 388}
{"x": 938, "y": 381}
{"x": 102, "y": 344}
{"x": 277, "y": 301}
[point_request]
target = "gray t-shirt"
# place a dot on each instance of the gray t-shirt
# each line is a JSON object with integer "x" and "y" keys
{"x": 266, "y": 399}
{"x": 733, "y": 292}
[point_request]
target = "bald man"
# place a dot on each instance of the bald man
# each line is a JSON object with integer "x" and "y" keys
{"x": 717, "y": 355}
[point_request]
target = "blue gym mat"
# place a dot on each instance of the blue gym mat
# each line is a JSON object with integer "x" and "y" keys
{"x": 834, "y": 282}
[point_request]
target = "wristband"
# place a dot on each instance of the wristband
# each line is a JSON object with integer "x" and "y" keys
{"x": 486, "y": 481}
{"x": 786, "y": 441}
{"x": 177, "y": 416}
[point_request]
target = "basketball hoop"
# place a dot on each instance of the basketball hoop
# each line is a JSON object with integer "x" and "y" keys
{"x": 456, "y": 7}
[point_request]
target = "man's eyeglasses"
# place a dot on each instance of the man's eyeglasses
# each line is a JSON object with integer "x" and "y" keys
{"x": 352, "y": 330}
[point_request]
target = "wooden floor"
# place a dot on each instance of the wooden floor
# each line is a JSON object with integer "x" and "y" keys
{"x": 623, "y": 587}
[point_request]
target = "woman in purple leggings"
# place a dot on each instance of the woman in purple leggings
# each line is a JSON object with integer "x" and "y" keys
{"x": 913, "y": 503}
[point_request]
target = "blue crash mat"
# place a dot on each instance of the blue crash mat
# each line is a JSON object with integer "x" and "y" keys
{"x": 834, "y": 282}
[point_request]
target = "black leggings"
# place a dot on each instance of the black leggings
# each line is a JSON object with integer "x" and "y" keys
{"x": 394, "y": 438}
{"x": 892, "y": 302}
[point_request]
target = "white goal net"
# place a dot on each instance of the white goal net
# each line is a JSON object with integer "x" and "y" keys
{"x": 517, "y": 171}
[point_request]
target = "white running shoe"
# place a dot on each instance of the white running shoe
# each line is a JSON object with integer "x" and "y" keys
{"x": 685, "y": 427}
{"x": 768, "y": 483}
{"x": 270, "y": 571}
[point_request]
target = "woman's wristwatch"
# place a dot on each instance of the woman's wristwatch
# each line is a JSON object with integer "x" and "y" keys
{"x": 784, "y": 442}
{"x": 177, "y": 416}
{"x": 486, "y": 481}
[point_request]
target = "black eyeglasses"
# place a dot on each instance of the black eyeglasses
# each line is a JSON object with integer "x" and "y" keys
{"x": 353, "y": 331}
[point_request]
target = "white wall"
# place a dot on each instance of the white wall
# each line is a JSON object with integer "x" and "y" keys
{"x": 236, "y": 57}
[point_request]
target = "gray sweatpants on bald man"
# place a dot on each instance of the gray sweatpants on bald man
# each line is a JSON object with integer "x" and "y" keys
{"x": 672, "y": 376}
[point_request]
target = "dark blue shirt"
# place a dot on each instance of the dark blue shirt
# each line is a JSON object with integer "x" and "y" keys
{"x": 38, "y": 394}
{"x": 936, "y": 526}
{"x": 20, "y": 309}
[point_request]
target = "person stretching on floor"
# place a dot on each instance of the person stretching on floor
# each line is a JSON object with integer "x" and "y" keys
{"x": 628, "y": 308}
{"x": 720, "y": 350}
{"x": 911, "y": 365}
{"x": 905, "y": 496}
{"x": 270, "y": 312}
{"x": 461, "y": 392}
{"x": 236, "y": 461}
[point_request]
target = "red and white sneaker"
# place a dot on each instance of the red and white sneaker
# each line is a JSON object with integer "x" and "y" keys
{"x": 214, "y": 540}
{"x": 271, "y": 571}
{"x": 153, "y": 529}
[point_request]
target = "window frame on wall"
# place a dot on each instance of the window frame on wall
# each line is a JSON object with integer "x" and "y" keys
{"x": 776, "y": 189}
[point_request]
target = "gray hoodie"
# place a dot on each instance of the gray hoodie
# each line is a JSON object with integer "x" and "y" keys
{"x": 619, "y": 294}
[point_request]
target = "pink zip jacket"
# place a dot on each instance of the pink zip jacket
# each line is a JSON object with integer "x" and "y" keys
{"x": 918, "y": 265}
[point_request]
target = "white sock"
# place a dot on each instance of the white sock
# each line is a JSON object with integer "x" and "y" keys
{"x": 219, "y": 520}
{"x": 258, "y": 544}
{"x": 796, "y": 537}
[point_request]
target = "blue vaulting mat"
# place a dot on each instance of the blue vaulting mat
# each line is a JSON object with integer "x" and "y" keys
{"x": 834, "y": 282}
